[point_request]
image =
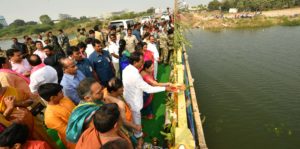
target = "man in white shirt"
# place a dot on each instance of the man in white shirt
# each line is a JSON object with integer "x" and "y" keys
{"x": 131, "y": 41}
{"x": 134, "y": 86}
{"x": 40, "y": 38}
{"x": 113, "y": 50}
{"x": 40, "y": 73}
{"x": 153, "y": 48}
{"x": 39, "y": 50}
{"x": 89, "y": 47}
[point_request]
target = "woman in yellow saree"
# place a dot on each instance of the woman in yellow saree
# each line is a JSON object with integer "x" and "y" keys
{"x": 13, "y": 103}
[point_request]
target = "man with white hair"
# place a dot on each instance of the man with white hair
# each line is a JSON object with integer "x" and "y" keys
{"x": 71, "y": 79}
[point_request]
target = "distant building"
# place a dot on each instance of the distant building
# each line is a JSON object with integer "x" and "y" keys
{"x": 194, "y": 8}
{"x": 94, "y": 18}
{"x": 233, "y": 10}
{"x": 158, "y": 11}
{"x": 56, "y": 21}
{"x": 3, "y": 21}
{"x": 119, "y": 12}
{"x": 110, "y": 14}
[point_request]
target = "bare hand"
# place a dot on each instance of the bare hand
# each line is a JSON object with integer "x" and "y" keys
{"x": 175, "y": 88}
{"x": 35, "y": 96}
{"x": 168, "y": 88}
{"x": 182, "y": 87}
{"x": 20, "y": 115}
{"x": 159, "y": 60}
{"x": 168, "y": 84}
{"x": 138, "y": 128}
{"x": 25, "y": 103}
{"x": 26, "y": 74}
{"x": 9, "y": 101}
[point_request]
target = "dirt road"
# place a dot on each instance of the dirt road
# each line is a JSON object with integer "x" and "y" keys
{"x": 283, "y": 12}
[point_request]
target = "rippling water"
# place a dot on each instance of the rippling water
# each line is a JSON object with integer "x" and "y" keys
{"x": 248, "y": 86}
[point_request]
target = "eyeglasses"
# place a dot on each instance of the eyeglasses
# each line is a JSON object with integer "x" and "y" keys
{"x": 97, "y": 91}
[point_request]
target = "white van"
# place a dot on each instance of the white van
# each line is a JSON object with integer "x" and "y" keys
{"x": 165, "y": 16}
{"x": 125, "y": 23}
{"x": 146, "y": 19}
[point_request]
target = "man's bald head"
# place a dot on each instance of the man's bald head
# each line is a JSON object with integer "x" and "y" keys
{"x": 34, "y": 60}
{"x": 65, "y": 62}
{"x": 69, "y": 66}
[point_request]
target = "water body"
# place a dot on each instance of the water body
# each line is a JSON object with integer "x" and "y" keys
{"x": 6, "y": 44}
{"x": 248, "y": 87}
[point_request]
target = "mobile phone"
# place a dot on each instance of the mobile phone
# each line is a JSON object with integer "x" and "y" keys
{"x": 38, "y": 108}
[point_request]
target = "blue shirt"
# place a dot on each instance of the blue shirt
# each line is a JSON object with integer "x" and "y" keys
{"x": 137, "y": 34}
{"x": 85, "y": 67}
{"x": 102, "y": 65}
{"x": 70, "y": 83}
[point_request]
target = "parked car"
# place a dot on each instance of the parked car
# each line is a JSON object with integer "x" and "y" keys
{"x": 126, "y": 23}
{"x": 165, "y": 16}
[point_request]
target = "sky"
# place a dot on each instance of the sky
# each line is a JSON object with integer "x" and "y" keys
{"x": 30, "y": 10}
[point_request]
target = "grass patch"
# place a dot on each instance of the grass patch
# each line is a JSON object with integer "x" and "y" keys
{"x": 291, "y": 22}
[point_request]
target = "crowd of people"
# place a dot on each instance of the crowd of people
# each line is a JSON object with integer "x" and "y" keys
{"x": 93, "y": 95}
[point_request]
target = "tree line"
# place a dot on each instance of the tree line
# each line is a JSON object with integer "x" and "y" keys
{"x": 19, "y": 27}
{"x": 252, "y": 5}
{"x": 131, "y": 15}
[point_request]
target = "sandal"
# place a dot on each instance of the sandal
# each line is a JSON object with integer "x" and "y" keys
{"x": 150, "y": 116}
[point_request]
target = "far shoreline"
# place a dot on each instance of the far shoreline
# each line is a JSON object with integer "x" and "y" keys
{"x": 217, "y": 21}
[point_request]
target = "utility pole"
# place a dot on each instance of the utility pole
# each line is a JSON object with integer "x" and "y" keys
{"x": 175, "y": 10}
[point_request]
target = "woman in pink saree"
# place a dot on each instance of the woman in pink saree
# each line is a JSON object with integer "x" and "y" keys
{"x": 148, "y": 55}
{"x": 147, "y": 74}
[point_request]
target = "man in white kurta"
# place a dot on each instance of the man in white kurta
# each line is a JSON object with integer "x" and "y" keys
{"x": 113, "y": 50}
{"x": 153, "y": 48}
{"x": 39, "y": 50}
{"x": 134, "y": 86}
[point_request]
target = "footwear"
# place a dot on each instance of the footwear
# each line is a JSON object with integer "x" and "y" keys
{"x": 150, "y": 116}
